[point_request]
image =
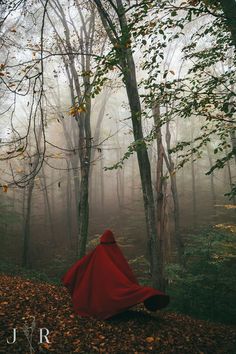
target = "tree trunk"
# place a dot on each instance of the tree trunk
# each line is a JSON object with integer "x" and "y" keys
{"x": 26, "y": 236}
{"x": 83, "y": 211}
{"x": 102, "y": 185}
{"x": 160, "y": 190}
{"x": 194, "y": 200}
{"x": 119, "y": 176}
{"x": 144, "y": 169}
{"x": 230, "y": 179}
{"x": 133, "y": 186}
{"x": 212, "y": 182}
{"x": 47, "y": 204}
{"x": 85, "y": 160}
{"x": 171, "y": 169}
{"x": 69, "y": 208}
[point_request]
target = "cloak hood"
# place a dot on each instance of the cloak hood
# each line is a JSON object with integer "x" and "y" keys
{"x": 107, "y": 237}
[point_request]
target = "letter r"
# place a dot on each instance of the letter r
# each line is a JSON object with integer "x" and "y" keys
{"x": 45, "y": 335}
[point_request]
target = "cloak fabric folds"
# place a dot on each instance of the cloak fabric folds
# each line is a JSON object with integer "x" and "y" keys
{"x": 102, "y": 283}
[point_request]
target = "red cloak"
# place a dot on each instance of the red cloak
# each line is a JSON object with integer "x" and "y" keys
{"x": 102, "y": 284}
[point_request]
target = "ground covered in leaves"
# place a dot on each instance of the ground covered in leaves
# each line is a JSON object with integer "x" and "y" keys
{"x": 135, "y": 331}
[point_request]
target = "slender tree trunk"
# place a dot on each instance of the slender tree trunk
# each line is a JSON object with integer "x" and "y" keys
{"x": 130, "y": 80}
{"x": 83, "y": 211}
{"x": 133, "y": 180}
{"x": 119, "y": 179}
{"x": 145, "y": 171}
{"x": 160, "y": 189}
{"x": 168, "y": 242}
{"x": 118, "y": 190}
{"x": 85, "y": 160}
{"x": 96, "y": 196}
{"x": 102, "y": 185}
{"x": 97, "y": 131}
{"x": 69, "y": 206}
{"x": 230, "y": 179}
{"x": 97, "y": 149}
{"x": 233, "y": 143}
{"x": 47, "y": 204}
{"x": 212, "y": 183}
{"x": 194, "y": 201}
{"x": 26, "y": 236}
{"x": 174, "y": 190}
{"x": 28, "y": 205}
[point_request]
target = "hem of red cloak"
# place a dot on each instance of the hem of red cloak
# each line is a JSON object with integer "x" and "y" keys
{"x": 151, "y": 303}
{"x": 156, "y": 302}
{"x": 101, "y": 317}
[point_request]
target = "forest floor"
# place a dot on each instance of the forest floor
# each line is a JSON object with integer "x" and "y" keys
{"x": 135, "y": 331}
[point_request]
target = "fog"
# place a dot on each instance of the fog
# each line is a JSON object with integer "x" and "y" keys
{"x": 46, "y": 203}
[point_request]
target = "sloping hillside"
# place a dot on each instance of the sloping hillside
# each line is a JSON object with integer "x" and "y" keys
{"x": 135, "y": 331}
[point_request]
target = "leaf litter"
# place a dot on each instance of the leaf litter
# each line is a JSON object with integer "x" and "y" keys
{"x": 135, "y": 331}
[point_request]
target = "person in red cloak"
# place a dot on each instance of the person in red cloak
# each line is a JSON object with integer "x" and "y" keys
{"x": 102, "y": 283}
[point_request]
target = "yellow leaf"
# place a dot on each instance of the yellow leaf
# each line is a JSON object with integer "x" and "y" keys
{"x": 5, "y": 188}
{"x": 46, "y": 345}
{"x": 128, "y": 44}
{"x": 81, "y": 109}
{"x": 226, "y": 227}
{"x": 101, "y": 337}
{"x": 230, "y": 206}
{"x": 152, "y": 24}
{"x": 150, "y": 339}
{"x": 72, "y": 111}
{"x": 77, "y": 109}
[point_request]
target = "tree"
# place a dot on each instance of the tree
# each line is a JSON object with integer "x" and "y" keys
{"x": 119, "y": 34}
{"x": 80, "y": 92}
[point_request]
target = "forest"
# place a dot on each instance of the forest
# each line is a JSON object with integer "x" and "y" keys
{"x": 121, "y": 115}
